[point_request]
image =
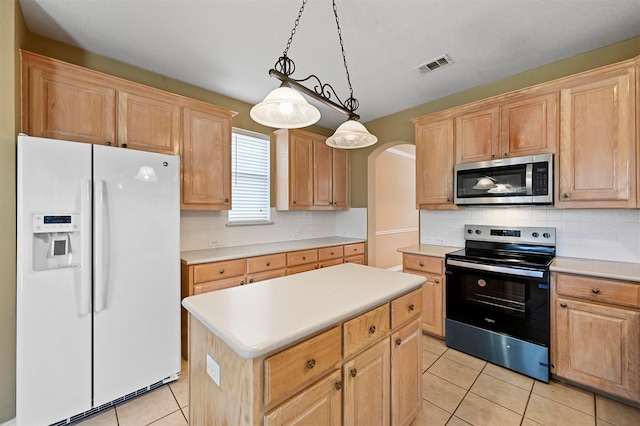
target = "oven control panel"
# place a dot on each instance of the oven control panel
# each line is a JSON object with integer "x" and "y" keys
{"x": 511, "y": 234}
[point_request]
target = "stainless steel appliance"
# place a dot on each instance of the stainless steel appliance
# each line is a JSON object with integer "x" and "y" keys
{"x": 518, "y": 180}
{"x": 497, "y": 297}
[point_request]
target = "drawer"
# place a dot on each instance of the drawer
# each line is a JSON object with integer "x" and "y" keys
{"x": 219, "y": 270}
{"x": 332, "y": 262}
{"x": 266, "y": 275}
{"x": 416, "y": 262}
{"x": 302, "y": 268}
{"x": 327, "y": 253}
{"x": 599, "y": 290}
{"x": 266, "y": 263}
{"x": 300, "y": 365}
{"x": 301, "y": 257}
{"x": 365, "y": 329}
{"x": 353, "y": 249}
{"x": 218, "y": 285}
{"x": 406, "y": 307}
{"x": 355, "y": 259}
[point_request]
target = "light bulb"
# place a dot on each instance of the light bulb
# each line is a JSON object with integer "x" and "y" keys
{"x": 286, "y": 108}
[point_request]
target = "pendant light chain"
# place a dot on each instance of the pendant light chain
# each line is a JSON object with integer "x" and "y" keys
{"x": 344, "y": 56}
{"x": 295, "y": 26}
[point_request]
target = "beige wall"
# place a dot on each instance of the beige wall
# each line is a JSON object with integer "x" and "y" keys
{"x": 12, "y": 36}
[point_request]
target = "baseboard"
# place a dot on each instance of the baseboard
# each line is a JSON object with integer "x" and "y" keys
{"x": 11, "y": 422}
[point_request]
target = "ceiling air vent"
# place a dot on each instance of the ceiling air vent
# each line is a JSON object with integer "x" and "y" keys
{"x": 434, "y": 64}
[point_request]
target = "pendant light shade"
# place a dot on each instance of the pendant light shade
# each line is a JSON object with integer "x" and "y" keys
{"x": 285, "y": 108}
{"x": 350, "y": 135}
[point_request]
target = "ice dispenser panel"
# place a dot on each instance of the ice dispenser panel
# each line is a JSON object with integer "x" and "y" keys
{"x": 56, "y": 241}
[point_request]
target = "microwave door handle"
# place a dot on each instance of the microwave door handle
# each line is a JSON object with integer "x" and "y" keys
{"x": 528, "y": 179}
{"x": 495, "y": 268}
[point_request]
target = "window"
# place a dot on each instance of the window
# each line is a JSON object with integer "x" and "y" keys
{"x": 250, "y": 178}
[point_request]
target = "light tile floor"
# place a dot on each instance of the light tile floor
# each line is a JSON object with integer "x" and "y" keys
{"x": 458, "y": 390}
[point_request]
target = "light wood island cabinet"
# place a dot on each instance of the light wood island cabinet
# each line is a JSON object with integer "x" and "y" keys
{"x": 359, "y": 368}
{"x": 596, "y": 334}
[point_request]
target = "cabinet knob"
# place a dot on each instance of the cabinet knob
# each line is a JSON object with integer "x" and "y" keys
{"x": 250, "y": 280}
{"x": 311, "y": 363}
{"x": 242, "y": 282}
{"x": 331, "y": 253}
{"x": 505, "y": 155}
{"x": 372, "y": 329}
{"x": 124, "y": 145}
{"x": 563, "y": 305}
{"x": 398, "y": 341}
{"x": 448, "y": 200}
{"x": 595, "y": 290}
{"x": 222, "y": 271}
{"x": 437, "y": 280}
{"x": 411, "y": 307}
{"x": 108, "y": 143}
{"x": 338, "y": 385}
{"x": 268, "y": 263}
{"x": 353, "y": 372}
{"x": 565, "y": 195}
{"x": 294, "y": 201}
{"x": 421, "y": 263}
{"x": 226, "y": 200}
{"x": 304, "y": 257}
{"x": 493, "y": 156}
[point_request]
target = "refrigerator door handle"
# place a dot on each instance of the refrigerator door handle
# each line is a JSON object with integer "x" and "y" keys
{"x": 85, "y": 229}
{"x": 101, "y": 247}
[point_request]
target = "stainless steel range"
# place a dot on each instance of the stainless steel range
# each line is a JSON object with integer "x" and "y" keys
{"x": 497, "y": 297}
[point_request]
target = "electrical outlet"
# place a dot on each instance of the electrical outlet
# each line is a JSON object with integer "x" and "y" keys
{"x": 295, "y": 235}
{"x": 345, "y": 234}
{"x": 213, "y": 370}
{"x": 213, "y": 243}
{"x": 428, "y": 240}
{"x": 439, "y": 240}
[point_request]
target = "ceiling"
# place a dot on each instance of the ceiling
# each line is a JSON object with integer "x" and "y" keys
{"x": 228, "y": 46}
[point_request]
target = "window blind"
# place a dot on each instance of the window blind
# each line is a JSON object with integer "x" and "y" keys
{"x": 250, "y": 178}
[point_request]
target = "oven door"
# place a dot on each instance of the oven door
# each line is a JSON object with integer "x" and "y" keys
{"x": 506, "y": 300}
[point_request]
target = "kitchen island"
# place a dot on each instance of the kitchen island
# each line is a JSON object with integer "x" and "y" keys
{"x": 321, "y": 347}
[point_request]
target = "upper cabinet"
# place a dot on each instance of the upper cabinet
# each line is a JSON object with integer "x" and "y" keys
{"x": 518, "y": 125}
{"x": 309, "y": 174}
{"x": 434, "y": 164}
{"x": 597, "y": 158}
{"x": 65, "y": 101}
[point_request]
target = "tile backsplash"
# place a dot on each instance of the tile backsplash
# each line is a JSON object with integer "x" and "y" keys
{"x": 207, "y": 229}
{"x": 605, "y": 234}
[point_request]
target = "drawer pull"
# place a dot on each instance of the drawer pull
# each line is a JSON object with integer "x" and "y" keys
{"x": 242, "y": 282}
{"x": 595, "y": 290}
{"x": 332, "y": 253}
{"x": 372, "y": 329}
{"x": 304, "y": 258}
{"x": 338, "y": 385}
{"x": 421, "y": 263}
{"x": 563, "y": 305}
{"x": 398, "y": 341}
{"x": 354, "y": 372}
{"x": 437, "y": 280}
{"x": 250, "y": 280}
{"x": 311, "y": 363}
{"x": 268, "y": 263}
{"x": 222, "y": 271}
{"x": 411, "y": 307}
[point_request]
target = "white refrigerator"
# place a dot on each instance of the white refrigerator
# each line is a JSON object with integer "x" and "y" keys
{"x": 98, "y": 281}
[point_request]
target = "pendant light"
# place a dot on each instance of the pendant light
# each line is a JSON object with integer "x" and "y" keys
{"x": 286, "y": 108}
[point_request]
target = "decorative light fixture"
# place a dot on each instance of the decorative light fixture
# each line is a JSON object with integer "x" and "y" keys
{"x": 286, "y": 108}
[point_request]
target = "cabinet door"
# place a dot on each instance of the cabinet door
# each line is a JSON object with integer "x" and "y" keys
{"x": 69, "y": 106}
{"x": 148, "y": 121}
{"x": 300, "y": 171}
{"x": 529, "y": 126}
{"x": 598, "y": 346}
{"x": 477, "y": 135}
{"x": 206, "y": 160}
{"x": 322, "y": 174}
{"x": 432, "y": 305}
{"x": 597, "y": 142}
{"x": 340, "y": 178}
{"x": 367, "y": 387}
{"x": 434, "y": 165}
{"x": 406, "y": 380}
{"x": 321, "y": 404}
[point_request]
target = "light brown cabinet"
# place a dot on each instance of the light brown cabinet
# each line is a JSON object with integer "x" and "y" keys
{"x": 521, "y": 125}
{"x": 309, "y": 174}
{"x": 406, "y": 386}
{"x": 433, "y": 291}
{"x": 597, "y": 158}
{"x": 596, "y": 334}
{"x": 434, "y": 164}
{"x": 206, "y": 158}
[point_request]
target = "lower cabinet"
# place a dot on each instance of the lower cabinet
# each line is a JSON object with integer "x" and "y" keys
{"x": 433, "y": 291}
{"x": 596, "y": 332}
{"x": 406, "y": 385}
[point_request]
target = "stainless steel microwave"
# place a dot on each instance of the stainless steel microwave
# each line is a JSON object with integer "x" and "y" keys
{"x": 518, "y": 180}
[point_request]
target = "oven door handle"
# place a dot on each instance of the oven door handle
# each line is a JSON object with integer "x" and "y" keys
{"x": 498, "y": 269}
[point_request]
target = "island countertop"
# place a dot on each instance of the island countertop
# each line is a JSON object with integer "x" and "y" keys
{"x": 260, "y": 318}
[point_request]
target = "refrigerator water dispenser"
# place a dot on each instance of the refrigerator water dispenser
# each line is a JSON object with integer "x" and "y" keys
{"x": 56, "y": 241}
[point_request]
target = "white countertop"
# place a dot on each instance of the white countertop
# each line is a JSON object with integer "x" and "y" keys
{"x": 237, "y": 252}
{"x": 624, "y": 271}
{"x": 429, "y": 250}
{"x": 260, "y": 318}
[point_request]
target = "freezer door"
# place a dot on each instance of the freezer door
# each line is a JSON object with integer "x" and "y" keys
{"x": 136, "y": 270}
{"x": 53, "y": 367}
